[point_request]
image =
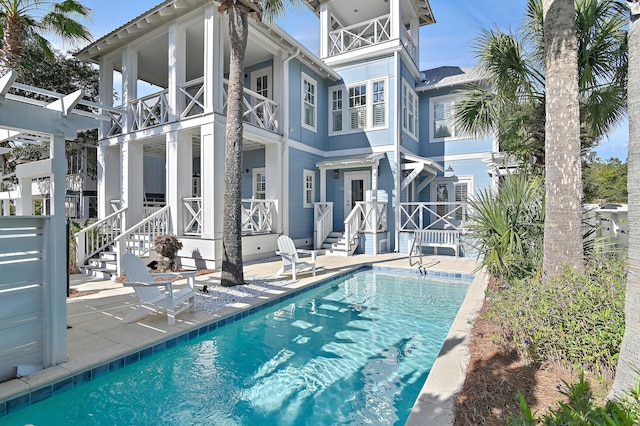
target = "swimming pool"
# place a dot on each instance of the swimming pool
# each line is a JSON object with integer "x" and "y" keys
{"x": 354, "y": 351}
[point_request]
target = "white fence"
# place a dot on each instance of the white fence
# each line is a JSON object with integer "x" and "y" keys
{"x": 22, "y": 293}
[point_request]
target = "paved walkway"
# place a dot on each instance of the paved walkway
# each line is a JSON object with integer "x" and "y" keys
{"x": 97, "y": 333}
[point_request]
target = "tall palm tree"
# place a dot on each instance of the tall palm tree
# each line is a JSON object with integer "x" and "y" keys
{"x": 238, "y": 12}
{"x": 514, "y": 107}
{"x": 563, "y": 173}
{"x": 629, "y": 361}
{"x": 28, "y": 21}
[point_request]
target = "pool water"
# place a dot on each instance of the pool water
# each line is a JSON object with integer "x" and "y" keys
{"x": 355, "y": 351}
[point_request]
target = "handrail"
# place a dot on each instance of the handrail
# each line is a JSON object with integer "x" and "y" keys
{"x": 424, "y": 215}
{"x": 352, "y": 225}
{"x": 150, "y": 110}
{"x": 139, "y": 238}
{"x": 408, "y": 43}
{"x": 257, "y": 217}
{"x": 193, "y": 206}
{"x": 97, "y": 236}
{"x": 323, "y": 222}
{"x": 362, "y": 34}
{"x": 374, "y": 216}
{"x": 194, "y": 102}
{"x": 258, "y": 110}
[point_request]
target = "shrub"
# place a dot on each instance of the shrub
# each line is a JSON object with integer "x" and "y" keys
{"x": 575, "y": 318}
{"x": 508, "y": 227}
{"x": 581, "y": 409}
{"x": 168, "y": 246}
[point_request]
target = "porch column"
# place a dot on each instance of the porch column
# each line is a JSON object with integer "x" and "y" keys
{"x": 325, "y": 28}
{"x": 273, "y": 169}
{"x": 108, "y": 184}
{"x": 213, "y": 60}
{"x": 55, "y": 285}
{"x": 212, "y": 181}
{"x": 24, "y": 204}
{"x": 323, "y": 185}
{"x": 129, "y": 83}
{"x": 177, "y": 70}
{"x": 179, "y": 176}
{"x": 132, "y": 159}
{"x": 6, "y": 207}
{"x": 105, "y": 93}
{"x": 374, "y": 181}
{"x": 395, "y": 15}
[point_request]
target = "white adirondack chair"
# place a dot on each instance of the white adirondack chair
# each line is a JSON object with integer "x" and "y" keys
{"x": 290, "y": 259}
{"x": 172, "y": 301}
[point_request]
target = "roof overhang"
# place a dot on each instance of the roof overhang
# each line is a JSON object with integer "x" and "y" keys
{"x": 351, "y": 161}
{"x": 414, "y": 166}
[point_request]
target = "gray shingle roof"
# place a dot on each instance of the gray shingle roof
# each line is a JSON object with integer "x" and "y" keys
{"x": 448, "y": 76}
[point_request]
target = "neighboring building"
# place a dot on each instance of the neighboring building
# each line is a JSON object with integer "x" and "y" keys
{"x": 351, "y": 151}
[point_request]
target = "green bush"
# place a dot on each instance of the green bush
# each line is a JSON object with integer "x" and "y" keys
{"x": 575, "y": 318}
{"x": 167, "y": 246}
{"x": 581, "y": 409}
{"x": 508, "y": 227}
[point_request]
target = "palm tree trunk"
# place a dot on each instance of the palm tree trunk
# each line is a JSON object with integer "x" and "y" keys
{"x": 11, "y": 44}
{"x": 232, "y": 270}
{"x": 563, "y": 183}
{"x": 628, "y": 367}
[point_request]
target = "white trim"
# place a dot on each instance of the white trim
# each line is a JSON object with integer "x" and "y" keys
{"x": 268, "y": 72}
{"x": 346, "y": 120}
{"x": 415, "y": 113}
{"x": 365, "y": 176}
{"x": 303, "y": 102}
{"x": 308, "y": 173}
{"x": 459, "y": 157}
{"x": 453, "y": 99}
{"x": 343, "y": 152}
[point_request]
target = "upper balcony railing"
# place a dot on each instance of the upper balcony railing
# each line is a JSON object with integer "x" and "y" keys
{"x": 409, "y": 44}
{"x": 153, "y": 110}
{"x": 257, "y": 109}
{"x": 363, "y": 34}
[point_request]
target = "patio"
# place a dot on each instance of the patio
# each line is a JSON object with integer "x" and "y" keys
{"x": 97, "y": 334}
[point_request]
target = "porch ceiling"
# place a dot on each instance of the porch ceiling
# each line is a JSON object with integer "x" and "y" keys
{"x": 157, "y": 147}
{"x": 354, "y": 11}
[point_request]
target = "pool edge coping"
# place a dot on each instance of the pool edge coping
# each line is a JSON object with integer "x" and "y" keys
{"x": 61, "y": 379}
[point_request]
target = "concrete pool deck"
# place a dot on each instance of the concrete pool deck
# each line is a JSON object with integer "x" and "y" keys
{"x": 97, "y": 333}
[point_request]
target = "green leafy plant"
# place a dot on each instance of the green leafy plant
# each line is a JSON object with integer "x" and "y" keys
{"x": 575, "y": 318}
{"x": 167, "y": 246}
{"x": 507, "y": 227}
{"x": 581, "y": 409}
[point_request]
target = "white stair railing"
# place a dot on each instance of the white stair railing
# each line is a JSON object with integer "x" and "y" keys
{"x": 98, "y": 236}
{"x": 352, "y": 226}
{"x": 139, "y": 239}
{"x": 258, "y": 110}
{"x": 323, "y": 222}
{"x": 374, "y": 216}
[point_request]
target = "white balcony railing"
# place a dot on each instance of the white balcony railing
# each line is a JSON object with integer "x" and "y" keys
{"x": 193, "y": 97}
{"x": 150, "y": 111}
{"x": 193, "y": 215}
{"x": 257, "y": 216}
{"x": 433, "y": 215}
{"x": 360, "y": 35}
{"x": 257, "y": 109}
{"x": 409, "y": 44}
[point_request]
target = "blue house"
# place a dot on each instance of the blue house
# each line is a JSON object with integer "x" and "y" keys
{"x": 350, "y": 152}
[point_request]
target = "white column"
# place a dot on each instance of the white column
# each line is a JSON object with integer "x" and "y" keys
{"x": 213, "y": 60}
{"x": 325, "y": 28}
{"x": 129, "y": 82}
{"x": 395, "y": 11}
{"x": 105, "y": 93}
{"x": 212, "y": 179}
{"x": 24, "y": 204}
{"x": 415, "y": 36}
{"x": 179, "y": 174}
{"x": 177, "y": 69}
{"x": 55, "y": 285}
{"x": 108, "y": 184}
{"x": 132, "y": 159}
{"x": 6, "y": 207}
{"x": 273, "y": 170}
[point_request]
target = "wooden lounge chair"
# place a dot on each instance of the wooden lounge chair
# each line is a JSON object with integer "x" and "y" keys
{"x": 290, "y": 259}
{"x": 148, "y": 290}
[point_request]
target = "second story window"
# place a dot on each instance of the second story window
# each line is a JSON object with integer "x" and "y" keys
{"x": 336, "y": 110}
{"x": 308, "y": 103}
{"x": 409, "y": 110}
{"x": 358, "y": 106}
{"x": 442, "y": 126}
{"x": 379, "y": 109}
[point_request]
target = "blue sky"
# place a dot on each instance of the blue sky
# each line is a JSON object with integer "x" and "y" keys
{"x": 448, "y": 42}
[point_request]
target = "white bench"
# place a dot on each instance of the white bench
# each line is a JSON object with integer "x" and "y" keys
{"x": 436, "y": 238}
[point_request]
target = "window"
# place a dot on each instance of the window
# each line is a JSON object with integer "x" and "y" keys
{"x": 309, "y": 190}
{"x": 409, "y": 110}
{"x": 453, "y": 195}
{"x": 259, "y": 184}
{"x": 261, "y": 87}
{"x": 336, "y": 110}
{"x": 308, "y": 102}
{"x": 358, "y": 106}
{"x": 462, "y": 196}
{"x": 379, "y": 109}
{"x": 442, "y": 120}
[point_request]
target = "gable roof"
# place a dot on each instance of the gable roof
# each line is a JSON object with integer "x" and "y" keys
{"x": 446, "y": 76}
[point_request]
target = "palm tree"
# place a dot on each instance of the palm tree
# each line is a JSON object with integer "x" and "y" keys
{"x": 629, "y": 361}
{"x": 26, "y": 21}
{"x": 514, "y": 108}
{"x": 238, "y": 12}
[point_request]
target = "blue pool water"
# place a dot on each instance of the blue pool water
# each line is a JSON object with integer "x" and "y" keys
{"x": 355, "y": 351}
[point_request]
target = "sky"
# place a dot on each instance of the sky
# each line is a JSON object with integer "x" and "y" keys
{"x": 447, "y": 42}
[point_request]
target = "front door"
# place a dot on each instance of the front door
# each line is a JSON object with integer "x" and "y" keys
{"x": 356, "y": 184}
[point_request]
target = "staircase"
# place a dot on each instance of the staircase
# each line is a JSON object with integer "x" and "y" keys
{"x": 336, "y": 244}
{"x": 104, "y": 264}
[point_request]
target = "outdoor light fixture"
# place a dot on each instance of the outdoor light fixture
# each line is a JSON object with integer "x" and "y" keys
{"x": 336, "y": 173}
{"x": 450, "y": 171}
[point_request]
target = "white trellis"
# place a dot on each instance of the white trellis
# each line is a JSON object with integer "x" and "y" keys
{"x": 33, "y": 249}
